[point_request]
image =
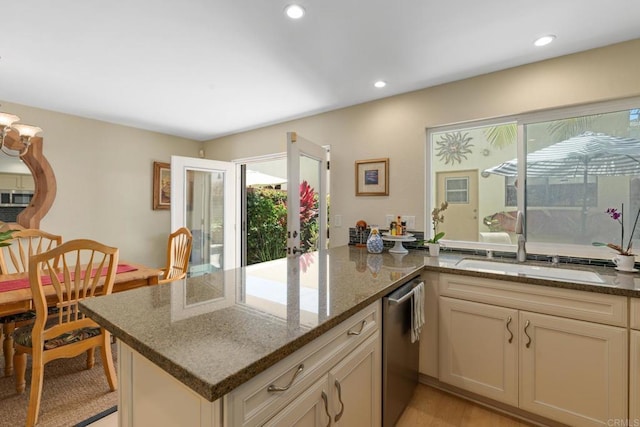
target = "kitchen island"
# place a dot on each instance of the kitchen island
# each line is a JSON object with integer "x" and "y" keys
{"x": 231, "y": 340}
{"x": 214, "y": 333}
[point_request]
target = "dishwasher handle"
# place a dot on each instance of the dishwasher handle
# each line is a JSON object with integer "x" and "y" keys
{"x": 393, "y": 301}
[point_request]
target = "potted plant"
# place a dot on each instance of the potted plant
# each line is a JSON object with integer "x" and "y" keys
{"x": 625, "y": 259}
{"x": 436, "y": 217}
{"x": 5, "y": 237}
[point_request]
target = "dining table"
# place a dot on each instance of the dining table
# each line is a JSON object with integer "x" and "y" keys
{"x": 16, "y": 297}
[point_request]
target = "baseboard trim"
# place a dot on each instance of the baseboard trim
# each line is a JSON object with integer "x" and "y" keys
{"x": 503, "y": 408}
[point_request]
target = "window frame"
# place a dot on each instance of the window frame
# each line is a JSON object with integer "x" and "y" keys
{"x": 521, "y": 120}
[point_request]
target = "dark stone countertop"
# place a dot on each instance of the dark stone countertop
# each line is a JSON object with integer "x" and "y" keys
{"x": 217, "y": 331}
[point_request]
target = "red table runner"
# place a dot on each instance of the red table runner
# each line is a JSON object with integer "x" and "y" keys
{"x": 12, "y": 285}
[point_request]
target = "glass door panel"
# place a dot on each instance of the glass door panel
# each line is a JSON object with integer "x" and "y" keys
{"x": 307, "y": 196}
{"x": 203, "y": 200}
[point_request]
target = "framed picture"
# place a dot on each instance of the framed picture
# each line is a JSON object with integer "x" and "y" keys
{"x": 372, "y": 177}
{"x": 161, "y": 185}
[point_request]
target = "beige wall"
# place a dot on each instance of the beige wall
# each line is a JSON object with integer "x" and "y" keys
{"x": 104, "y": 173}
{"x": 395, "y": 127}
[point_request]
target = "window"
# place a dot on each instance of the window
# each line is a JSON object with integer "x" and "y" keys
{"x": 563, "y": 168}
{"x": 457, "y": 190}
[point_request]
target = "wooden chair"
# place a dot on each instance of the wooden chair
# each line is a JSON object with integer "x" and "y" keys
{"x": 15, "y": 259}
{"x": 178, "y": 253}
{"x": 27, "y": 242}
{"x": 68, "y": 333}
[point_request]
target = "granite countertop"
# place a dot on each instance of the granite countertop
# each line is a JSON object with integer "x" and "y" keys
{"x": 607, "y": 279}
{"x": 216, "y": 331}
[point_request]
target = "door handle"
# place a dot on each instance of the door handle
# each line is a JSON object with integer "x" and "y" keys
{"x": 274, "y": 387}
{"x": 362, "y": 325}
{"x": 526, "y": 325}
{"x": 326, "y": 407}
{"x": 339, "y": 414}
{"x": 509, "y": 330}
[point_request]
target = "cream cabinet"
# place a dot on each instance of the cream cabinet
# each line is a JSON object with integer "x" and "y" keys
{"x": 572, "y": 371}
{"x": 479, "y": 348}
{"x": 347, "y": 396}
{"x": 13, "y": 181}
{"x": 334, "y": 379}
{"x": 355, "y": 385}
{"x": 634, "y": 363}
{"x": 310, "y": 409}
{"x": 346, "y": 361}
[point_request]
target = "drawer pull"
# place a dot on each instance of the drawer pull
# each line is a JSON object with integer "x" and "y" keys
{"x": 326, "y": 407}
{"x": 339, "y": 414}
{"x": 509, "y": 330}
{"x": 362, "y": 325}
{"x": 273, "y": 387}
{"x": 526, "y": 325}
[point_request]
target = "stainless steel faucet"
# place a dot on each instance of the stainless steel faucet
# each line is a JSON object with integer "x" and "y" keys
{"x": 521, "y": 253}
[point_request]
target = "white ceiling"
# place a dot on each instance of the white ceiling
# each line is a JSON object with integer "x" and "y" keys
{"x": 206, "y": 68}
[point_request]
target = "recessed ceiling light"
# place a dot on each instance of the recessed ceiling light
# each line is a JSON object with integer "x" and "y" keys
{"x": 380, "y": 84}
{"x": 294, "y": 11}
{"x": 544, "y": 40}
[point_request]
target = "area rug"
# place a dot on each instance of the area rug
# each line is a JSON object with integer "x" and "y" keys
{"x": 71, "y": 394}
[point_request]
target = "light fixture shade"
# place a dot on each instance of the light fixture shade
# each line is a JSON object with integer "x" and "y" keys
{"x": 7, "y": 119}
{"x": 28, "y": 131}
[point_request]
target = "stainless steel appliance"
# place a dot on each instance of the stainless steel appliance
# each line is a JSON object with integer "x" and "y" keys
{"x": 399, "y": 354}
{"x": 19, "y": 198}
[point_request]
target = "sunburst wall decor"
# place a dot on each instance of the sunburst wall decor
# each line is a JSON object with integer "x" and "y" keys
{"x": 453, "y": 147}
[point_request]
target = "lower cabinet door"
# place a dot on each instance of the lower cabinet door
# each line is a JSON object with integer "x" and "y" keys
{"x": 310, "y": 409}
{"x": 634, "y": 379}
{"x": 573, "y": 371}
{"x": 355, "y": 386}
{"x": 478, "y": 347}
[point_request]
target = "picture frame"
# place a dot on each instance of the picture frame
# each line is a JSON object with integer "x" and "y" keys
{"x": 161, "y": 186}
{"x": 372, "y": 177}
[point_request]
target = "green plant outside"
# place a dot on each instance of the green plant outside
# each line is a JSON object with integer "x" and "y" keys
{"x": 267, "y": 223}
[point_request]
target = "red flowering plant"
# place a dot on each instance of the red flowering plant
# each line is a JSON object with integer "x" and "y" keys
{"x": 308, "y": 215}
{"x": 618, "y": 215}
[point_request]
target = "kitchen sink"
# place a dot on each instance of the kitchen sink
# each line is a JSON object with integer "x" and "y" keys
{"x": 558, "y": 273}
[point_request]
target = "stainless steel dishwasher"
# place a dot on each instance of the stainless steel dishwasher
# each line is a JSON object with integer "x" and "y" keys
{"x": 399, "y": 355}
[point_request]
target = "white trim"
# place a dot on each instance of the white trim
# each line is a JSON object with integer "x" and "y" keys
{"x": 265, "y": 157}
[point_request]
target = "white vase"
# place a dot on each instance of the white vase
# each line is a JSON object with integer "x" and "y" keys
{"x": 434, "y": 249}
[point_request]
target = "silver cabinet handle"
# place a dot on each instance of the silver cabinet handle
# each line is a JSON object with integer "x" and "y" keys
{"x": 273, "y": 387}
{"x": 326, "y": 407}
{"x": 526, "y": 325}
{"x": 362, "y": 325}
{"x": 339, "y": 414}
{"x": 509, "y": 330}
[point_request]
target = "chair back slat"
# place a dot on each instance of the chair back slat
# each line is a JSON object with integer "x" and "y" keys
{"x": 178, "y": 253}
{"x": 24, "y": 243}
{"x": 76, "y": 270}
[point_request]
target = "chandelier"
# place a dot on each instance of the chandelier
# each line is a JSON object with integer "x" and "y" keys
{"x": 25, "y": 133}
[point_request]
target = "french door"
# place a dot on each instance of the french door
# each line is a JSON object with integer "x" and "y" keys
{"x": 203, "y": 199}
{"x": 306, "y": 196}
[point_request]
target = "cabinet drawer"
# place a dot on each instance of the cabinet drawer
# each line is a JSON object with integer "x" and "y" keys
{"x": 635, "y": 313}
{"x": 581, "y": 305}
{"x": 252, "y": 403}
